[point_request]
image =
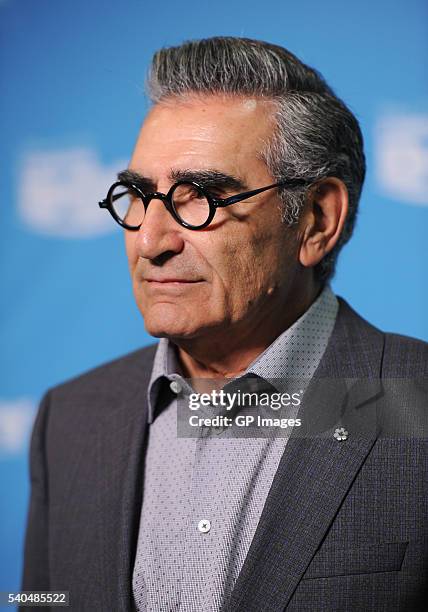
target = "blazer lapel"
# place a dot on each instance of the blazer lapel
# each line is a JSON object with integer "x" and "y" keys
{"x": 316, "y": 470}
{"x": 121, "y": 439}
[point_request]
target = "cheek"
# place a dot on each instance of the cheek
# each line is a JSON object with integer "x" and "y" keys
{"x": 271, "y": 259}
{"x": 265, "y": 249}
{"x": 249, "y": 263}
{"x": 131, "y": 252}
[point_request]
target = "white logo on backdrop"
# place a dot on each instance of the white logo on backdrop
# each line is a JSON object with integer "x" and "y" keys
{"x": 401, "y": 153}
{"x": 16, "y": 420}
{"x": 59, "y": 191}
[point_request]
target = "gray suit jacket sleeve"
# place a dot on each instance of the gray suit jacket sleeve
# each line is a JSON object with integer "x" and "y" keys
{"x": 85, "y": 460}
{"x": 36, "y": 574}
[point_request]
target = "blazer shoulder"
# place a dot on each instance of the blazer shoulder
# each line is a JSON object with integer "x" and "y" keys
{"x": 392, "y": 355}
{"x": 404, "y": 356}
{"x": 111, "y": 375}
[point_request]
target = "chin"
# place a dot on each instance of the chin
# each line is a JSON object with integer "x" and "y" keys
{"x": 160, "y": 326}
{"x": 162, "y": 331}
{"x": 167, "y": 320}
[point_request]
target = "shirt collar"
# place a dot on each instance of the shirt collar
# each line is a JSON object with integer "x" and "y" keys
{"x": 166, "y": 368}
{"x": 295, "y": 353}
{"x": 298, "y": 350}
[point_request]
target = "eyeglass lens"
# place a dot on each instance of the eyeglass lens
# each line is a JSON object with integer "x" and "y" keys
{"x": 189, "y": 203}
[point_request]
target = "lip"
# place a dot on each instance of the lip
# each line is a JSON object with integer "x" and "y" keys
{"x": 169, "y": 286}
{"x": 166, "y": 281}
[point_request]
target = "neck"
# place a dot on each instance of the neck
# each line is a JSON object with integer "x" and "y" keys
{"x": 227, "y": 353}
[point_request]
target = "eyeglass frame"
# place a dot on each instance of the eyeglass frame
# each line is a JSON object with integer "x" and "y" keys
{"x": 167, "y": 200}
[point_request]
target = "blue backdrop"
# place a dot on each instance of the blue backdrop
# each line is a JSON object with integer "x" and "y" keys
{"x": 72, "y": 75}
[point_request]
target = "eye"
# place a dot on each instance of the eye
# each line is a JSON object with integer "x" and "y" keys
{"x": 190, "y": 204}
{"x": 217, "y": 191}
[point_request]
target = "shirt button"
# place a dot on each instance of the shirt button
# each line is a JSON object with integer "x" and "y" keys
{"x": 175, "y": 386}
{"x": 204, "y": 526}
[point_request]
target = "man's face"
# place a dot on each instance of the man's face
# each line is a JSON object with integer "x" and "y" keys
{"x": 236, "y": 272}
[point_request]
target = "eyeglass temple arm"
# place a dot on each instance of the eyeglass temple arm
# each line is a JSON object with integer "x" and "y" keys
{"x": 242, "y": 196}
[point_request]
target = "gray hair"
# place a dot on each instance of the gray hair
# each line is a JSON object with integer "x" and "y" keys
{"x": 316, "y": 136}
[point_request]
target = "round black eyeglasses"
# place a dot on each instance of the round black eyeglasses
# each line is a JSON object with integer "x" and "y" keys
{"x": 190, "y": 204}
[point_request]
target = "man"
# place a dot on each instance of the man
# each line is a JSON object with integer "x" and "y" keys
{"x": 242, "y": 188}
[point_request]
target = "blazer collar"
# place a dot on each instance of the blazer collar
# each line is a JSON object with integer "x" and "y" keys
{"x": 316, "y": 470}
{"x": 121, "y": 441}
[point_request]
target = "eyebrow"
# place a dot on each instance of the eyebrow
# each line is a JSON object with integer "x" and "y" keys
{"x": 211, "y": 179}
{"x": 137, "y": 179}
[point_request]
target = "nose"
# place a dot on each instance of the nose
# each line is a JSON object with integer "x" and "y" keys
{"x": 159, "y": 232}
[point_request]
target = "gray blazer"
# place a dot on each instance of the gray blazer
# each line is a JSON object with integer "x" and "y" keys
{"x": 344, "y": 524}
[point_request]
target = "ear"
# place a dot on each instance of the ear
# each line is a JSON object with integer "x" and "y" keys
{"x": 322, "y": 221}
